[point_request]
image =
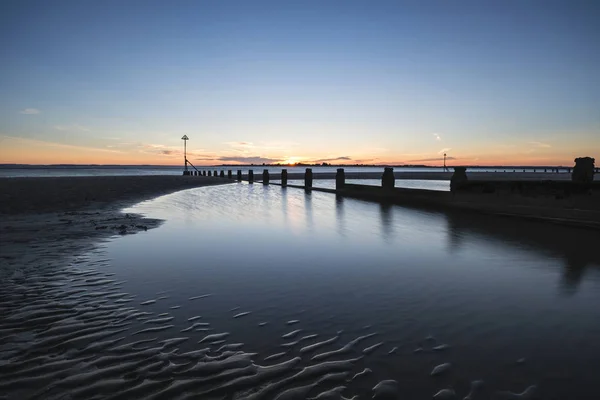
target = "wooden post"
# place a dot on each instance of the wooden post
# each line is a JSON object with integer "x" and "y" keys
{"x": 340, "y": 179}
{"x": 387, "y": 179}
{"x": 250, "y": 176}
{"x": 222, "y": 175}
{"x": 308, "y": 178}
{"x": 239, "y": 175}
{"x": 209, "y": 173}
{"x": 229, "y": 175}
{"x": 216, "y": 173}
{"x": 284, "y": 177}
{"x": 265, "y": 177}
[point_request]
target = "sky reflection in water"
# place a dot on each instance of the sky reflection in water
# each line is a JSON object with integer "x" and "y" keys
{"x": 496, "y": 290}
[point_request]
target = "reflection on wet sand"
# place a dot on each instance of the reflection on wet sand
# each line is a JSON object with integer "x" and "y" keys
{"x": 576, "y": 247}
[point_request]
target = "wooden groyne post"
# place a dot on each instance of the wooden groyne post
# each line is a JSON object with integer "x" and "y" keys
{"x": 308, "y": 178}
{"x": 222, "y": 175}
{"x": 216, "y": 173}
{"x": 250, "y": 176}
{"x": 284, "y": 177}
{"x": 388, "y": 181}
{"x": 265, "y": 177}
{"x": 209, "y": 173}
{"x": 239, "y": 175}
{"x": 229, "y": 175}
{"x": 340, "y": 179}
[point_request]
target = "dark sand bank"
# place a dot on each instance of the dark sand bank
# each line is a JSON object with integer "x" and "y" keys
{"x": 45, "y": 218}
{"x": 38, "y": 195}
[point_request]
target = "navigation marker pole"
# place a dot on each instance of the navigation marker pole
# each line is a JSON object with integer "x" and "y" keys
{"x": 185, "y": 168}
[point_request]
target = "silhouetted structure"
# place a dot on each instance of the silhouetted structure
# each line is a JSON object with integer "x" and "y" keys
{"x": 308, "y": 178}
{"x": 284, "y": 177}
{"x": 250, "y": 176}
{"x": 209, "y": 173}
{"x": 265, "y": 177}
{"x": 239, "y": 175}
{"x": 222, "y": 174}
{"x": 340, "y": 179}
{"x": 185, "y": 161}
{"x": 583, "y": 172}
{"x": 458, "y": 178}
{"x": 229, "y": 174}
{"x": 387, "y": 179}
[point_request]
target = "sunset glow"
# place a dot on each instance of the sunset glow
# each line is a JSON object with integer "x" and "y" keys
{"x": 388, "y": 83}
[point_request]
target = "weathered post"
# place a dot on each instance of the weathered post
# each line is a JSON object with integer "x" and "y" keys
{"x": 340, "y": 179}
{"x": 250, "y": 176}
{"x": 239, "y": 175}
{"x": 583, "y": 172}
{"x": 387, "y": 179}
{"x": 216, "y": 173}
{"x": 229, "y": 175}
{"x": 209, "y": 173}
{"x": 222, "y": 175}
{"x": 308, "y": 178}
{"x": 284, "y": 177}
{"x": 204, "y": 173}
{"x": 458, "y": 179}
{"x": 265, "y": 177}
{"x": 196, "y": 173}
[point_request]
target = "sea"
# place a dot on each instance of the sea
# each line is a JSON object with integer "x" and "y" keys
{"x": 12, "y": 171}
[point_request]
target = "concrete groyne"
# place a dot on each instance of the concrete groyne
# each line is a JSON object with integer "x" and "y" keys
{"x": 531, "y": 196}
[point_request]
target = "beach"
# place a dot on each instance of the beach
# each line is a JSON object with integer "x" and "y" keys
{"x": 48, "y": 217}
{"x": 320, "y": 293}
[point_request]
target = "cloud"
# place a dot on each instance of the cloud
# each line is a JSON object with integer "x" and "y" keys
{"x": 437, "y": 137}
{"x": 30, "y": 111}
{"x": 540, "y": 145}
{"x": 434, "y": 159}
{"x": 442, "y": 151}
{"x": 343, "y": 158}
{"x": 249, "y": 160}
{"x": 72, "y": 128}
{"x": 240, "y": 144}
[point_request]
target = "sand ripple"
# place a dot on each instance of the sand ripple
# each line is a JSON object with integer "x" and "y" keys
{"x": 71, "y": 331}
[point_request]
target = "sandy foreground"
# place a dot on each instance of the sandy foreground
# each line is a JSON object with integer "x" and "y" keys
{"x": 44, "y": 218}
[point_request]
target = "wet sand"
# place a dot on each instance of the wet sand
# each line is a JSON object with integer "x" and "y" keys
{"x": 67, "y": 328}
{"x": 45, "y": 218}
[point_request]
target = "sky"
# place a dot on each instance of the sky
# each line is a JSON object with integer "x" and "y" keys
{"x": 495, "y": 82}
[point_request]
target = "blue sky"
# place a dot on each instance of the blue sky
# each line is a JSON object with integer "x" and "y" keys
{"x": 508, "y": 81}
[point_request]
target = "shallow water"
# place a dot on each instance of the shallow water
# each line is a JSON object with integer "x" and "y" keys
{"x": 496, "y": 291}
{"x": 308, "y": 279}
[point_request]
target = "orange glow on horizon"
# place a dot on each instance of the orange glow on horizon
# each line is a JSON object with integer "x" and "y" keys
{"x": 28, "y": 151}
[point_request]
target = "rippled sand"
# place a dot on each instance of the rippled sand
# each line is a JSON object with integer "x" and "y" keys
{"x": 64, "y": 331}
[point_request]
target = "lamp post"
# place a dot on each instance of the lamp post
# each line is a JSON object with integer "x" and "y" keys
{"x": 185, "y": 169}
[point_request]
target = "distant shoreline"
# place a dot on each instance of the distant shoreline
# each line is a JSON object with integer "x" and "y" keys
{"x": 24, "y": 166}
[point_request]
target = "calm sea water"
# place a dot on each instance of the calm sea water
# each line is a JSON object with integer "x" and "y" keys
{"x": 494, "y": 290}
{"x": 34, "y": 171}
